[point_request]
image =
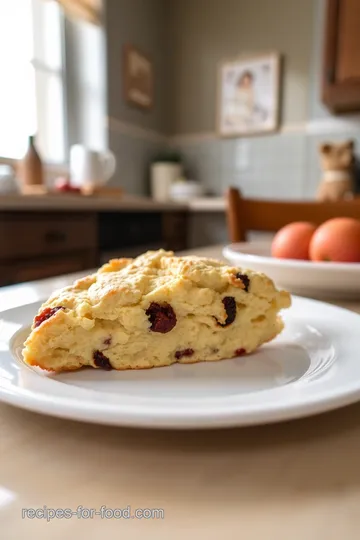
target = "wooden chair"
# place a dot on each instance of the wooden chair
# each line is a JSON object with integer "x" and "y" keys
{"x": 245, "y": 215}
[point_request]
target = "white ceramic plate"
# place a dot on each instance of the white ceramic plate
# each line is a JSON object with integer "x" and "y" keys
{"x": 312, "y": 367}
{"x": 318, "y": 280}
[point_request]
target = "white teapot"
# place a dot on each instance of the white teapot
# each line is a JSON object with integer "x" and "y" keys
{"x": 90, "y": 168}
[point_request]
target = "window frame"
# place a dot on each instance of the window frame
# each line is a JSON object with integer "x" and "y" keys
{"x": 53, "y": 167}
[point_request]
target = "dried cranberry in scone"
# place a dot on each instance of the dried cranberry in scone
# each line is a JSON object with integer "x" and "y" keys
{"x": 240, "y": 280}
{"x": 245, "y": 280}
{"x": 161, "y": 317}
{"x": 45, "y": 315}
{"x": 184, "y": 352}
{"x": 101, "y": 361}
{"x": 230, "y": 308}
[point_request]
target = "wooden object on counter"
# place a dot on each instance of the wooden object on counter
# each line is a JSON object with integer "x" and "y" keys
{"x": 245, "y": 215}
{"x": 34, "y": 190}
{"x": 101, "y": 191}
{"x": 30, "y": 169}
{"x": 341, "y": 61}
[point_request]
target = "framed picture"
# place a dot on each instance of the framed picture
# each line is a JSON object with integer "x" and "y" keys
{"x": 249, "y": 96}
{"x": 138, "y": 78}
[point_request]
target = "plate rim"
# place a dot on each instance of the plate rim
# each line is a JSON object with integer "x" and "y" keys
{"x": 236, "y": 249}
{"x": 138, "y": 416}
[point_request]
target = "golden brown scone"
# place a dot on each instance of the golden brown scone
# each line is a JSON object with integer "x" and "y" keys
{"x": 155, "y": 310}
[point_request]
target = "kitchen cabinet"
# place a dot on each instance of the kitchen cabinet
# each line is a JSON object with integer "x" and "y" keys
{"x": 341, "y": 61}
{"x": 18, "y": 271}
{"x": 39, "y": 244}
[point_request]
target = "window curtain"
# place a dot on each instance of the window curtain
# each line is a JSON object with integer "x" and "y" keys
{"x": 86, "y": 10}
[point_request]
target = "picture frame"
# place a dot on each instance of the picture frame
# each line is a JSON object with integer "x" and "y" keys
{"x": 249, "y": 95}
{"x": 138, "y": 78}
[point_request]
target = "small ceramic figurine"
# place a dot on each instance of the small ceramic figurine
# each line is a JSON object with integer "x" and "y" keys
{"x": 337, "y": 162}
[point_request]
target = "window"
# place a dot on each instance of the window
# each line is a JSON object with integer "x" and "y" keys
{"x": 86, "y": 81}
{"x": 32, "y": 78}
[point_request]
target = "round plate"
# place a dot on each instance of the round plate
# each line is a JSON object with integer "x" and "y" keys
{"x": 315, "y": 279}
{"x": 312, "y": 367}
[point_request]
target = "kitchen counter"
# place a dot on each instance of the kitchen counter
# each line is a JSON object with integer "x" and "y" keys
{"x": 127, "y": 203}
{"x": 85, "y": 203}
{"x": 207, "y": 204}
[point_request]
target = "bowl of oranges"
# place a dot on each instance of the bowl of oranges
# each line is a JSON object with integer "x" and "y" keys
{"x": 318, "y": 261}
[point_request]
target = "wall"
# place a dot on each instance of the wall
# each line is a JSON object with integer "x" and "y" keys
{"x": 262, "y": 166}
{"x": 203, "y": 33}
{"x": 134, "y": 135}
{"x": 186, "y": 40}
{"x": 141, "y": 23}
{"x": 284, "y": 165}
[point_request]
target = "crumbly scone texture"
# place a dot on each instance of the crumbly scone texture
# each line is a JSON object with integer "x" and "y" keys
{"x": 155, "y": 310}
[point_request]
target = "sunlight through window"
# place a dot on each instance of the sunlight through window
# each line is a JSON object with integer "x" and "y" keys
{"x": 32, "y": 89}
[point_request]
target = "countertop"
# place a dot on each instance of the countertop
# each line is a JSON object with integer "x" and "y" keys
{"x": 298, "y": 480}
{"x": 126, "y": 203}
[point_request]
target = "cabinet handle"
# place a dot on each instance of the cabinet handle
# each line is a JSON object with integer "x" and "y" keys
{"x": 55, "y": 236}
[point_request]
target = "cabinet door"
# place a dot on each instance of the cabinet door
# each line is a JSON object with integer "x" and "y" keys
{"x": 348, "y": 50}
{"x": 174, "y": 230}
{"x": 341, "y": 70}
{"x": 38, "y": 234}
{"x": 45, "y": 267}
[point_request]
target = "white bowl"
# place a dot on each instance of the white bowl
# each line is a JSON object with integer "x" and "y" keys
{"x": 306, "y": 278}
{"x": 182, "y": 191}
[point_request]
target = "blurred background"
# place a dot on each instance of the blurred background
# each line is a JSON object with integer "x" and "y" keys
{"x": 140, "y": 82}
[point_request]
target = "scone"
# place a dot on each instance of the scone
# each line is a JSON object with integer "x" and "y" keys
{"x": 155, "y": 310}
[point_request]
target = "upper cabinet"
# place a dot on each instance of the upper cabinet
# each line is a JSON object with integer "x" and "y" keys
{"x": 341, "y": 66}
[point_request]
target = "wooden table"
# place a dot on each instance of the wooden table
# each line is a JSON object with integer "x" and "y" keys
{"x": 292, "y": 481}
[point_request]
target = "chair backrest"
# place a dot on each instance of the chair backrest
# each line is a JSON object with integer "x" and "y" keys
{"x": 245, "y": 215}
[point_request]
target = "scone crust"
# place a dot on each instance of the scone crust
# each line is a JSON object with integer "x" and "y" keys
{"x": 109, "y": 312}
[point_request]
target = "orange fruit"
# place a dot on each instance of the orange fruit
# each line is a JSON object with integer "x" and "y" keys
{"x": 336, "y": 240}
{"x": 293, "y": 241}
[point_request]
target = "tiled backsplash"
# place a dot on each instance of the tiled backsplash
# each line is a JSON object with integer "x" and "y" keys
{"x": 269, "y": 166}
{"x": 284, "y": 166}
